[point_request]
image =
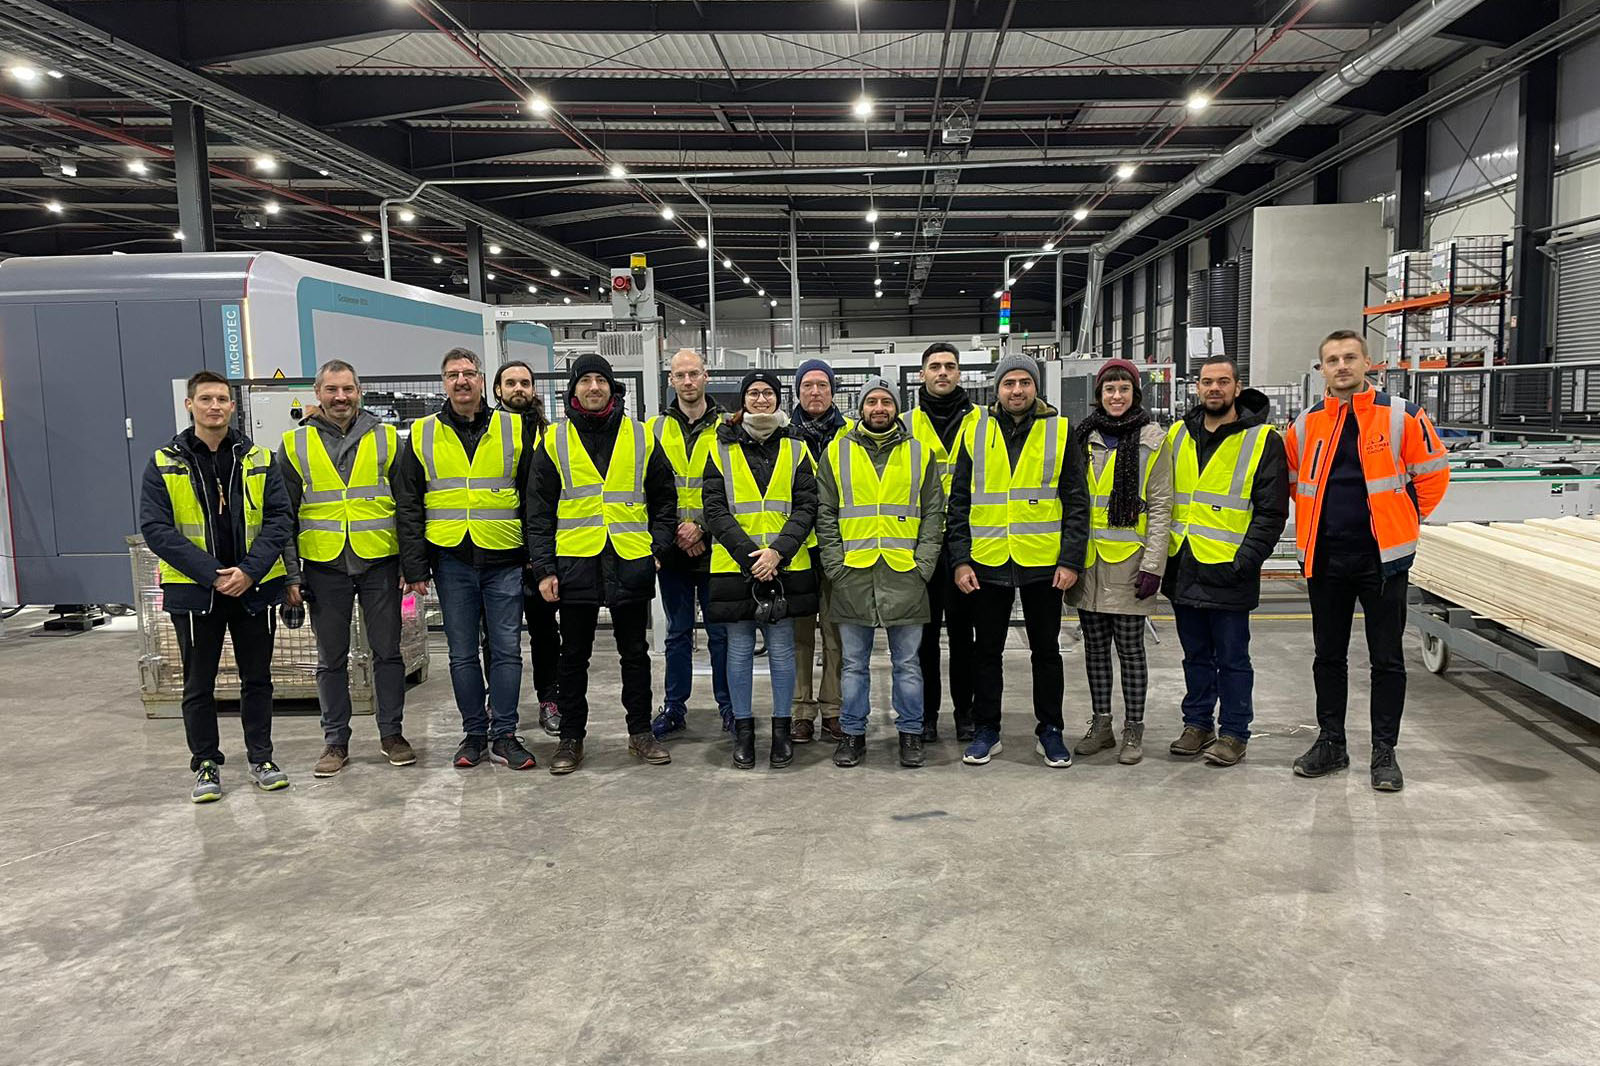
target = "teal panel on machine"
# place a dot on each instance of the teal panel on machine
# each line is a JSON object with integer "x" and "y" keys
{"x": 533, "y": 333}
{"x": 315, "y": 294}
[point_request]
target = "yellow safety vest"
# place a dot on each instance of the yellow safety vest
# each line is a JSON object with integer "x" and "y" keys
{"x": 761, "y": 515}
{"x": 920, "y": 426}
{"x": 593, "y": 510}
{"x": 478, "y": 498}
{"x": 332, "y": 511}
{"x": 1016, "y": 514}
{"x": 1108, "y": 542}
{"x": 1211, "y": 508}
{"x": 688, "y": 462}
{"x": 879, "y": 517}
{"x": 189, "y": 514}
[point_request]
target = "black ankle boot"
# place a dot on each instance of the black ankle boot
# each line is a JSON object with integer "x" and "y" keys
{"x": 744, "y": 743}
{"x": 930, "y": 729}
{"x": 911, "y": 749}
{"x": 850, "y": 751}
{"x": 782, "y": 746}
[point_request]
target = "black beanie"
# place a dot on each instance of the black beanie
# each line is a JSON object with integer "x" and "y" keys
{"x": 754, "y": 376}
{"x": 589, "y": 363}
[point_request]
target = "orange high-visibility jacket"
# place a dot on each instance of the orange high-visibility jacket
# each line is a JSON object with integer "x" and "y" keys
{"x": 1401, "y": 456}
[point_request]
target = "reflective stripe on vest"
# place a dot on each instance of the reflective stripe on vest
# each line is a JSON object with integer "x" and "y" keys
{"x": 1108, "y": 542}
{"x": 477, "y": 497}
{"x": 1211, "y": 509}
{"x": 1016, "y": 514}
{"x": 879, "y": 516}
{"x": 761, "y": 515}
{"x": 332, "y": 511}
{"x": 920, "y": 426}
{"x": 189, "y": 514}
{"x": 688, "y": 464}
{"x": 593, "y": 511}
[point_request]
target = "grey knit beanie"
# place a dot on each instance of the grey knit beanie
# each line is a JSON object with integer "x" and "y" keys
{"x": 1018, "y": 362}
{"x": 873, "y": 384}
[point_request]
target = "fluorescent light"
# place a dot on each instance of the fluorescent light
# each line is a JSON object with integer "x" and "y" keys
{"x": 1125, "y": 171}
{"x": 271, "y": 207}
{"x": 490, "y": 275}
{"x": 1028, "y": 265}
{"x": 69, "y": 168}
{"x": 761, "y": 292}
{"x": 863, "y": 106}
{"x": 265, "y": 162}
{"x": 774, "y": 303}
{"x": 1080, "y": 214}
{"x": 538, "y": 104}
{"x": 726, "y": 262}
{"x": 877, "y": 294}
{"x": 897, "y": 233}
{"x": 1050, "y": 244}
{"x": 54, "y": 207}
{"x": 618, "y": 170}
{"x": 877, "y": 281}
{"x": 55, "y": 74}
{"x": 366, "y": 238}
{"x": 1198, "y": 101}
{"x": 555, "y": 272}
{"x": 566, "y": 299}
{"x": 532, "y": 289}
{"x": 438, "y": 259}
{"x": 873, "y": 246}
{"x": 683, "y": 321}
{"x": 494, "y": 249}
{"x": 24, "y": 74}
{"x": 747, "y": 279}
{"x": 700, "y": 242}
{"x": 177, "y": 234}
{"x": 136, "y": 166}
{"x": 407, "y": 215}
{"x": 1010, "y": 282}
{"x": 872, "y": 215}
{"x": 997, "y": 294}
{"x": 667, "y": 212}
{"x": 901, "y": 154}
{"x": 322, "y": 171}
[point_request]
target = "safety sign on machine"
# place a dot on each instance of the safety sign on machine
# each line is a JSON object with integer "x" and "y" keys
{"x": 1005, "y": 311}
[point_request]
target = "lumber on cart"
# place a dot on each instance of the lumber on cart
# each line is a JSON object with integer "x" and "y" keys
{"x": 1539, "y": 578}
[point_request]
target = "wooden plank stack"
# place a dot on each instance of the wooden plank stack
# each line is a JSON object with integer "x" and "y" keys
{"x": 1539, "y": 578}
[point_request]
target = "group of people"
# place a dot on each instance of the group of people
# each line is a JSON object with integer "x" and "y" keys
{"x": 929, "y": 523}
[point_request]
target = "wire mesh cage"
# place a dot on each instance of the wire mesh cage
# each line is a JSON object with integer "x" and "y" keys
{"x": 294, "y": 652}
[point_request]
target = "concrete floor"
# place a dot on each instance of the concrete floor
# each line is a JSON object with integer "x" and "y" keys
{"x": 692, "y": 913}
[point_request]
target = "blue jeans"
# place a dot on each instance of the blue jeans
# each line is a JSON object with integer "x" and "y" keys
{"x": 1216, "y": 668}
{"x": 489, "y": 597}
{"x": 678, "y": 591}
{"x": 905, "y": 666}
{"x": 780, "y": 662}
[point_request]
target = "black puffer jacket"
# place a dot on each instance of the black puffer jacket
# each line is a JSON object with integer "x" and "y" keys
{"x": 606, "y": 579}
{"x": 1236, "y": 585}
{"x": 731, "y": 594}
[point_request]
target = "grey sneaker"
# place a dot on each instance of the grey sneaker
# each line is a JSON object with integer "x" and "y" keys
{"x": 268, "y": 777}
{"x": 1098, "y": 738}
{"x": 1132, "y": 743}
{"x": 207, "y": 783}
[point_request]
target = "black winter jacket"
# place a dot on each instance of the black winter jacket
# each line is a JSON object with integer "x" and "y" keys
{"x": 607, "y": 579}
{"x": 731, "y": 594}
{"x": 417, "y": 556}
{"x": 1072, "y": 489}
{"x": 160, "y": 529}
{"x": 1236, "y": 585}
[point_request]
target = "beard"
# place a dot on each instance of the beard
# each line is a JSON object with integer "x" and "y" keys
{"x": 518, "y": 404}
{"x": 1217, "y": 407}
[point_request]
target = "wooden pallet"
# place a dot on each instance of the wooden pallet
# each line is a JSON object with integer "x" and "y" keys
{"x": 1539, "y": 578}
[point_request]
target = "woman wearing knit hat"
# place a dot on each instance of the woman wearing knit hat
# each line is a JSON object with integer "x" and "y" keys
{"x": 1129, "y": 472}
{"x": 760, "y": 501}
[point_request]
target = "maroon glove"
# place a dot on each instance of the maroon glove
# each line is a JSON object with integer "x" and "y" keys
{"x": 1146, "y": 585}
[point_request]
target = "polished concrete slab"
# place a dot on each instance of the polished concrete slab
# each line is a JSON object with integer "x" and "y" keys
{"x": 1167, "y": 912}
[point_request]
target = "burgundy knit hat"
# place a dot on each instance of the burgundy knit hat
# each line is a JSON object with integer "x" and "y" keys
{"x": 1126, "y": 367}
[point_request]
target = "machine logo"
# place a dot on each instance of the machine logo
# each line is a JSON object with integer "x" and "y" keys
{"x": 233, "y": 340}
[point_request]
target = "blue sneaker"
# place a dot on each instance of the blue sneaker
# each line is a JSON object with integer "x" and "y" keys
{"x": 985, "y": 744}
{"x": 1054, "y": 748}
{"x": 668, "y": 721}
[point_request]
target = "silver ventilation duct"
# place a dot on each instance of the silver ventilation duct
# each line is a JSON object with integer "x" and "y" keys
{"x": 1411, "y": 29}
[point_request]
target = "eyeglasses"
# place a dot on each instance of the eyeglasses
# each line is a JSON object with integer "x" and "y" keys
{"x": 462, "y": 375}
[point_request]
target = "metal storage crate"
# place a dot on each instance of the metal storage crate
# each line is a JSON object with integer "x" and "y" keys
{"x": 294, "y": 656}
{"x": 1409, "y": 275}
{"x": 1468, "y": 264}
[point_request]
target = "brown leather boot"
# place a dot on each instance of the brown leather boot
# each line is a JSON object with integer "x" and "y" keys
{"x": 647, "y": 747}
{"x": 334, "y": 756}
{"x": 831, "y": 729}
{"x": 804, "y": 731}
{"x": 1225, "y": 752}
{"x": 1192, "y": 742}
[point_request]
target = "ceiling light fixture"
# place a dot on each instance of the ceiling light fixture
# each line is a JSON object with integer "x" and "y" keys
{"x": 490, "y": 275}
{"x": 1010, "y": 282}
{"x": 566, "y": 299}
{"x": 1028, "y": 265}
{"x": 177, "y": 234}
{"x": 26, "y": 75}
{"x": 877, "y": 282}
{"x": 901, "y": 154}
{"x": 266, "y": 163}
{"x": 136, "y": 166}
{"x": 996, "y": 294}
{"x": 872, "y": 215}
{"x": 747, "y": 279}
{"x": 1050, "y": 244}
{"x": 494, "y": 249}
{"x": 1198, "y": 101}
{"x": 863, "y": 106}
{"x": 774, "y": 303}
{"x": 532, "y": 290}
{"x": 54, "y": 207}
{"x": 408, "y": 215}
{"x": 877, "y": 294}
{"x": 874, "y": 245}
{"x": 55, "y": 74}
{"x": 667, "y": 212}
{"x": 322, "y": 171}
{"x": 1080, "y": 214}
{"x": 555, "y": 272}
{"x": 366, "y": 238}
{"x": 761, "y": 292}
{"x": 726, "y": 262}
{"x": 538, "y": 104}
{"x": 700, "y": 242}
{"x": 1125, "y": 171}
{"x": 438, "y": 259}
{"x": 271, "y": 207}
{"x": 618, "y": 170}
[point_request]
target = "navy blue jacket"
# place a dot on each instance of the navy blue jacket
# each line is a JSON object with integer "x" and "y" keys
{"x": 161, "y": 533}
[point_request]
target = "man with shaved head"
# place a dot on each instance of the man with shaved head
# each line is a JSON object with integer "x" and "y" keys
{"x": 685, "y": 430}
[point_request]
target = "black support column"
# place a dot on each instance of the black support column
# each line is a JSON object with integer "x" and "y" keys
{"x": 1126, "y": 351}
{"x": 1180, "y": 310}
{"x": 1217, "y": 246}
{"x": 1108, "y": 299}
{"x": 192, "y": 170}
{"x": 1535, "y": 206}
{"x": 1410, "y": 183}
{"x": 1325, "y": 186}
{"x": 475, "y": 279}
{"x": 1152, "y": 309}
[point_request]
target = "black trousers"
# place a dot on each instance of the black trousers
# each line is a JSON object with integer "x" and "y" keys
{"x": 200, "y": 647}
{"x": 544, "y": 644}
{"x": 952, "y": 607}
{"x": 1041, "y": 617}
{"x": 332, "y": 595}
{"x": 1339, "y": 584}
{"x": 629, "y": 624}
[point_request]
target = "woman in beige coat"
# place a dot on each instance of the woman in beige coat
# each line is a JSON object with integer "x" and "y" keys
{"x": 1129, "y": 469}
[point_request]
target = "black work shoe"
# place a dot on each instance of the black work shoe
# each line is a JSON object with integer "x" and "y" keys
{"x": 850, "y": 751}
{"x": 647, "y": 747}
{"x": 568, "y": 757}
{"x": 508, "y": 751}
{"x": 1325, "y": 756}
{"x": 744, "y": 743}
{"x": 911, "y": 749}
{"x": 930, "y": 730}
{"x": 966, "y": 732}
{"x": 782, "y": 744}
{"x": 550, "y": 718}
{"x": 472, "y": 750}
{"x": 1386, "y": 776}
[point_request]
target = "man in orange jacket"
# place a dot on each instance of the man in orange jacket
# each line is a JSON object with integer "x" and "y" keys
{"x": 1367, "y": 467}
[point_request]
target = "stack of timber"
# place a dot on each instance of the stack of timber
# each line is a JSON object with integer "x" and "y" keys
{"x": 1539, "y": 578}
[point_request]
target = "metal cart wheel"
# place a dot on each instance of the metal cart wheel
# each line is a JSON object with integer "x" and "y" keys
{"x": 1435, "y": 653}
